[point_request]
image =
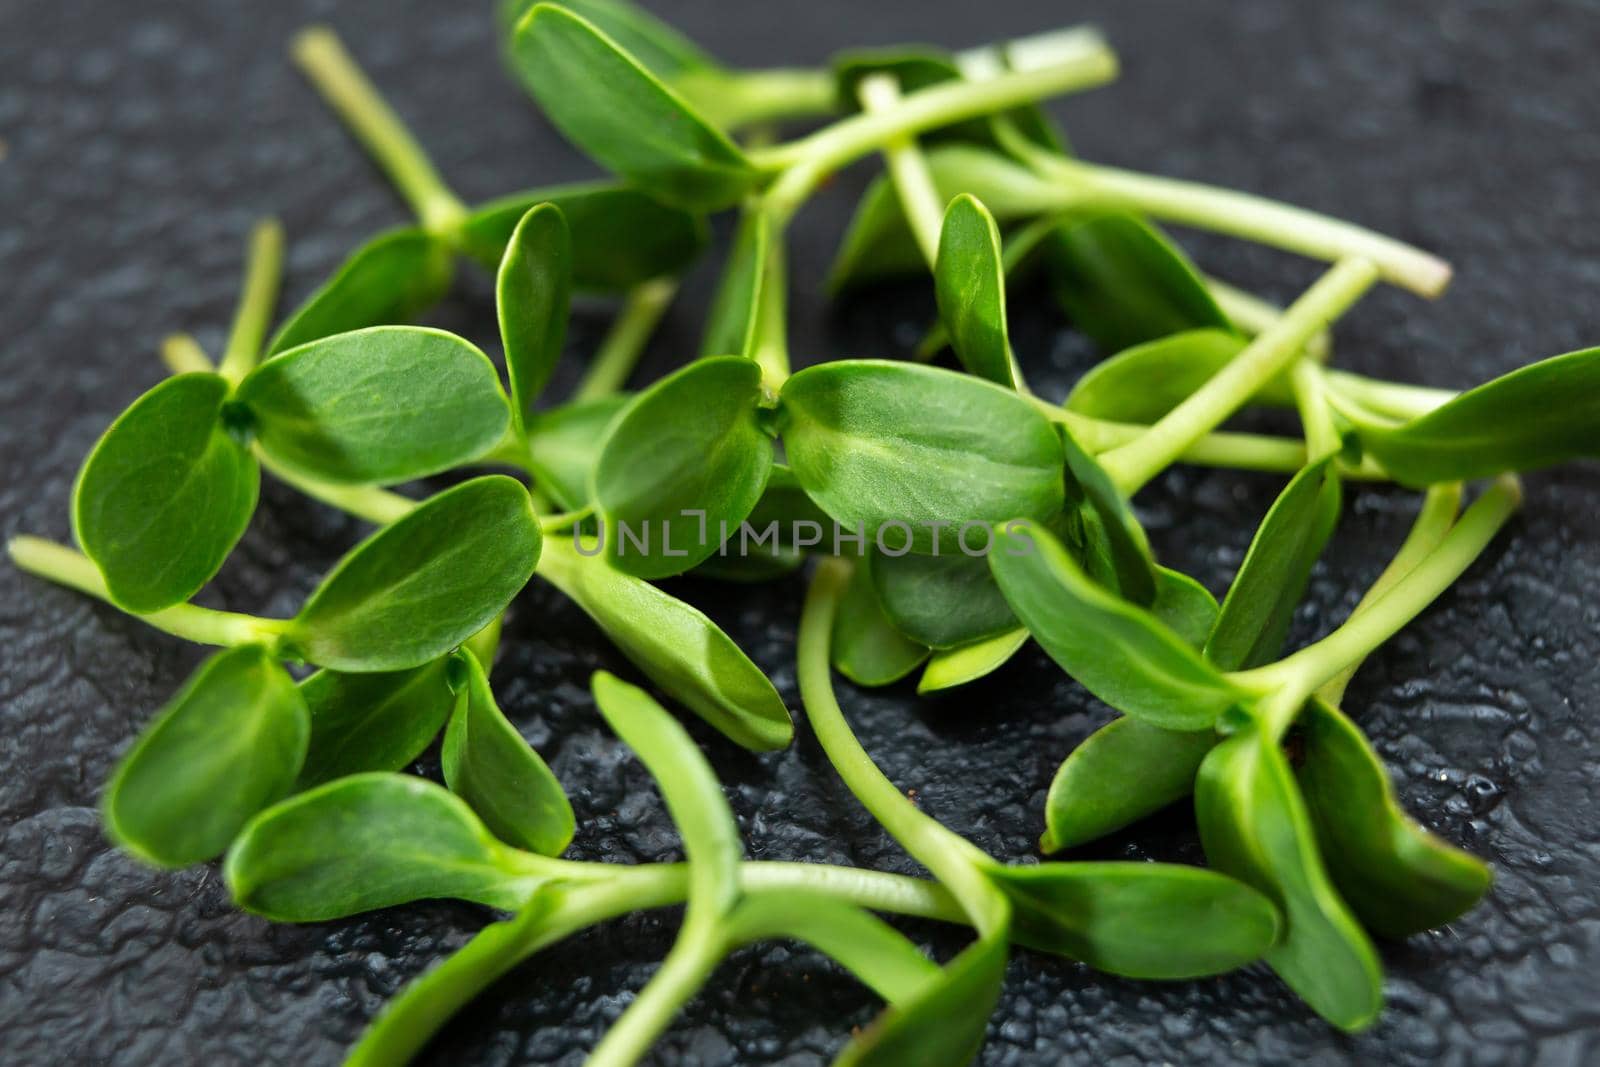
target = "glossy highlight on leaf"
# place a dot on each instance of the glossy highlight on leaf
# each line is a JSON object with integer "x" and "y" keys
{"x": 970, "y": 282}
{"x": 229, "y": 744}
{"x": 892, "y": 445}
{"x": 533, "y": 294}
{"x": 372, "y": 722}
{"x": 1400, "y": 879}
{"x": 391, "y": 279}
{"x": 165, "y": 494}
{"x": 609, "y": 105}
{"x": 425, "y": 583}
{"x": 382, "y": 405}
{"x": 708, "y": 456}
{"x": 1118, "y": 651}
{"x": 370, "y": 841}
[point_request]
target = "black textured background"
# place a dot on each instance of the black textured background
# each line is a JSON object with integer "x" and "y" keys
{"x": 140, "y": 139}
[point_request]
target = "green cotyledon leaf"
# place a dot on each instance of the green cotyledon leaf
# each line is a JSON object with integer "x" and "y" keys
{"x": 623, "y": 116}
{"x": 533, "y": 295}
{"x": 1143, "y": 383}
{"x": 1545, "y": 413}
{"x": 1254, "y": 825}
{"x": 685, "y": 459}
{"x": 660, "y": 48}
{"x": 370, "y": 841}
{"x": 165, "y": 494}
{"x": 372, "y": 722}
{"x": 950, "y": 667}
{"x": 420, "y": 586}
{"x": 1123, "y": 283}
{"x": 391, "y": 279}
{"x": 228, "y": 745}
{"x": 1118, "y": 651}
{"x": 621, "y": 236}
{"x": 735, "y": 312}
{"x": 1260, "y": 603}
{"x": 487, "y": 763}
{"x": 866, "y": 647}
{"x": 969, "y": 281}
{"x": 564, "y": 444}
{"x": 381, "y": 405}
{"x": 942, "y": 601}
{"x": 1398, "y": 878}
{"x": 912, "y": 453}
{"x": 673, "y": 643}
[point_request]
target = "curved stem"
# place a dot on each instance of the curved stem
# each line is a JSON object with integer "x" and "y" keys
{"x": 206, "y": 626}
{"x": 182, "y": 354}
{"x": 1134, "y": 464}
{"x": 625, "y": 342}
{"x": 679, "y": 977}
{"x": 257, "y": 297}
{"x": 1316, "y": 418}
{"x": 320, "y": 54}
{"x": 908, "y": 168}
{"x": 952, "y": 859}
{"x": 370, "y": 502}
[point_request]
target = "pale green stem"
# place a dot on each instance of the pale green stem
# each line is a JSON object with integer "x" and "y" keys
{"x": 908, "y": 168}
{"x": 679, "y": 977}
{"x": 370, "y": 502}
{"x": 1433, "y": 521}
{"x": 1250, "y": 217}
{"x": 771, "y": 349}
{"x": 747, "y": 97}
{"x": 1394, "y": 400}
{"x": 954, "y": 861}
{"x": 1301, "y": 673}
{"x": 1252, "y": 314}
{"x": 342, "y": 84}
{"x": 1322, "y": 436}
{"x": 206, "y": 626}
{"x": 182, "y": 354}
{"x": 625, "y": 342}
{"x": 1134, "y": 464}
{"x": 257, "y": 297}
{"x": 803, "y": 163}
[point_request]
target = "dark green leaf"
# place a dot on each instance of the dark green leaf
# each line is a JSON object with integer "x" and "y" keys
{"x": 944, "y": 1022}
{"x": 623, "y": 116}
{"x": 941, "y": 601}
{"x": 229, "y": 744}
{"x": 1121, "y": 773}
{"x": 674, "y": 644}
{"x": 1123, "y": 283}
{"x": 1260, "y": 604}
{"x": 487, "y": 763}
{"x": 1400, "y": 879}
{"x": 735, "y": 313}
{"x": 423, "y": 584}
{"x": 1116, "y": 536}
{"x": 1118, "y": 651}
{"x": 372, "y": 722}
{"x": 898, "y": 448}
{"x": 951, "y": 667}
{"x": 782, "y": 526}
{"x": 385, "y": 404}
{"x": 1185, "y": 605}
{"x": 165, "y": 494}
{"x": 533, "y": 294}
{"x": 564, "y": 444}
{"x": 1139, "y": 920}
{"x": 620, "y": 236}
{"x": 1538, "y": 415}
{"x": 866, "y": 647}
{"x": 693, "y": 794}
{"x": 879, "y": 243}
{"x": 1144, "y": 382}
{"x": 1254, "y": 825}
{"x": 372, "y": 841}
{"x": 391, "y": 279}
{"x": 694, "y": 443}
{"x": 970, "y": 283}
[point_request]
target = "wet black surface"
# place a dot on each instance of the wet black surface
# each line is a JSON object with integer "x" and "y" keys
{"x": 141, "y": 139}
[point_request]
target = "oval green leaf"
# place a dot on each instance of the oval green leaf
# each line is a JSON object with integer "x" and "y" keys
{"x": 564, "y": 444}
{"x": 943, "y": 1022}
{"x": 661, "y": 49}
{"x": 423, "y": 584}
{"x": 228, "y": 745}
{"x": 970, "y": 283}
{"x": 1139, "y": 920}
{"x": 1143, "y": 383}
{"x": 533, "y": 294}
{"x": 614, "y": 109}
{"x": 891, "y": 446}
{"x": 950, "y": 667}
{"x": 488, "y": 764}
{"x": 1184, "y": 605}
{"x": 372, "y": 722}
{"x": 674, "y": 644}
{"x": 1116, "y": 650}
{"x": 391, "y": 279}
{"x": 943, "y": 601}
{"x": 1111, "y": 531}
{"x": 381, "y": 405}
{"x": 1400, "y": 879}
{"x": 165, "y": 494}
{"x": 682, "y": 466}
{"x": 866, "y": 647}
{"x": 372, "y": 841}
